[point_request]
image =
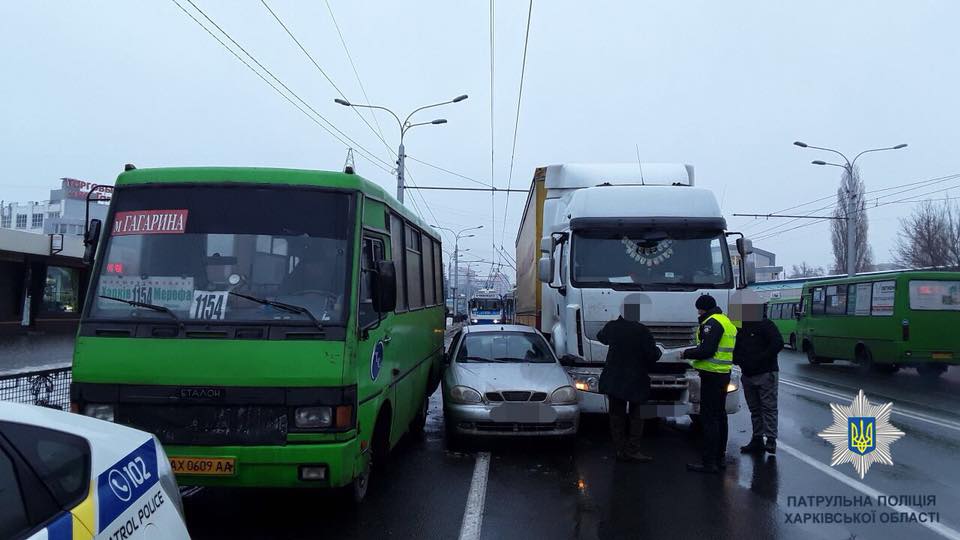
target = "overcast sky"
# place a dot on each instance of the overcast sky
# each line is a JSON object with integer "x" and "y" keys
{"x": 727, "y": 87}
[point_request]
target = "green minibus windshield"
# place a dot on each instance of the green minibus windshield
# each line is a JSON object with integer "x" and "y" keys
{"x": 187, "y": 248}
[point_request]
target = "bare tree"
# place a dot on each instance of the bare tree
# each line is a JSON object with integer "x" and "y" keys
{"x": 851, "y": 185}
{"x": 953, "y": 232}
{"x": 806, "y": 270}
{"x": 929, "y": 236}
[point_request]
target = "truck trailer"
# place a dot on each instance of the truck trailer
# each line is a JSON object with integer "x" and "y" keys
{"x": 598, "y": 240}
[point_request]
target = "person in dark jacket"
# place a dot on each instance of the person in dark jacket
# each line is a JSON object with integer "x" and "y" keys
{"x": 626, "y": 383}
{"x": 713, "y": 360}
{"x": 758, "y": 344}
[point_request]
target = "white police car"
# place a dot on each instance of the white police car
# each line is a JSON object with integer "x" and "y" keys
{"x": 67, "y": 476}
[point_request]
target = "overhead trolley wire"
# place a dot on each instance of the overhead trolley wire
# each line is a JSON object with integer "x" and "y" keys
{"x": 324, "y": 73}
{"x": 516, "y": 122}
{"x": 354, "y": 144}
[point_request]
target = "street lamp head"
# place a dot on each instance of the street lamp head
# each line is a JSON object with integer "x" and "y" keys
{"x": 800, "y": 144}
{"x": 899, "y": 146}
{"x": 343, "y": 102}
{"x": 459, "y": 98}
{"x": 468, "y": 236}
{"x": 439, "y": 121}
{"x": 818, "y": 162}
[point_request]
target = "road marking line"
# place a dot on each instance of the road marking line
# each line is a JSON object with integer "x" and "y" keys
{"x": 473, "y": 513}
{"x": 897, "y": 410}
{"x": 938, "y": 528}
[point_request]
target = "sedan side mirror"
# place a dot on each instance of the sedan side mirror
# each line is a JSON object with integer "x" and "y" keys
{"x": 91, "y": 237}
{"x": 385, "y": 287}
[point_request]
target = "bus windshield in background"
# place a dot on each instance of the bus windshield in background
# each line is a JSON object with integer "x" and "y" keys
{"x": 486, "y": 304}
{"x": 644, "y": 258}
{"x": 185, "y": 249}
{"x": 929, "y": 295}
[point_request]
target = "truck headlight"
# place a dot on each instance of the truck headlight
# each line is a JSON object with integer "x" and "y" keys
{"x": 474, "y": 321}
{"x": 464, "y": 394}
{"x": 100, "y": 411}
{"x": 731, "y": 387}
{"x": 313, "y": 417}
{"x": 496, "y": 321}
{"x": 565, "y": 395}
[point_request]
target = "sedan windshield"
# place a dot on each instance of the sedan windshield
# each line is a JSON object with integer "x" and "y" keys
{"x": 225, "y": 254}
{"x": 648, "y": 258}
{"x": 504, "y": 347}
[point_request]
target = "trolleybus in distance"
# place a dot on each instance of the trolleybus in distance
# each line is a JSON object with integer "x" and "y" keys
{"x": 783, "y": 313}
{"x": 486, "y": 307}
{"x": 885, "y": 321}
{"x": 272, "y": 327}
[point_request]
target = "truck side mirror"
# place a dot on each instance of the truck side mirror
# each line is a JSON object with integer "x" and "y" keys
{"x": 545, "y": 269}
{"x": 91, "y": 237}
{"x": 385, "y": 287}
{"x": 748, "y": 270}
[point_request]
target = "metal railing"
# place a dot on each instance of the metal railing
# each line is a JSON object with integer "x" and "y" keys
{"x": 46, "y": 388}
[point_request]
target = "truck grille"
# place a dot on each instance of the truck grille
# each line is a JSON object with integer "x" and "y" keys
{"x": 208, "y": 425}
{"x": 674, "y": 335}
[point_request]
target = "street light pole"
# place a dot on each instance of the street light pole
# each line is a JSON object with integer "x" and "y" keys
{"x": 848, "y": 166}
{"x": 405, "y": 126}
{"x": 456, "y": 256}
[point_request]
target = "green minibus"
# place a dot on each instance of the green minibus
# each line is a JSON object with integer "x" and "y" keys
{"x": 884, "y": 321}
{"x": 783, "y": 313}
{"x": 271, "y": 327}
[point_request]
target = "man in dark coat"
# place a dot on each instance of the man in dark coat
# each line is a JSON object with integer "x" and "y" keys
{"x": 758, "y": 344}
{"x": 625, "y": 381}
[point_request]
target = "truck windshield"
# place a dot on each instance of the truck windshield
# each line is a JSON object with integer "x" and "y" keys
{"x": 186, "y": 249}
{"x": 651, "y": 259}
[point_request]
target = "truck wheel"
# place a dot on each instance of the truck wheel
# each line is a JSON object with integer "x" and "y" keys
{"x": 358, "y": 488}
{"x": 931, "y": 372}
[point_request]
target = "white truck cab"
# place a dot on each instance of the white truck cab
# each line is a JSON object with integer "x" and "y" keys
{"x": 636, "y": 238}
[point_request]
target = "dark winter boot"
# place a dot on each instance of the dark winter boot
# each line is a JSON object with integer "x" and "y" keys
{"x": 755, "y": 446}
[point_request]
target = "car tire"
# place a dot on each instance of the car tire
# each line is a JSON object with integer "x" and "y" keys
{"x": 793, "y": 341}
{"x": 452, "y": 439}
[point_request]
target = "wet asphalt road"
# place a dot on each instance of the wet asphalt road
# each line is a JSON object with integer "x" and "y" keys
{"x": 551, "y": 490}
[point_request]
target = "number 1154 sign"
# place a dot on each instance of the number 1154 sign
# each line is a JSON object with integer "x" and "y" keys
{"x": 209, "y": 305}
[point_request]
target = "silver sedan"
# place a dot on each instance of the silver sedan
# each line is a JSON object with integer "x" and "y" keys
{"x": 505, "y": 380}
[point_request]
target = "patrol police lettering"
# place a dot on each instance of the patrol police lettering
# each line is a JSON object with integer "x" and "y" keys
{"x": 133, "y": 524}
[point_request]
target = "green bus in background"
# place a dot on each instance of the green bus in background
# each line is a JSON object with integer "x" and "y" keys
{"x": 783, "y": 313}
{"x": 271, "y": 327}
{"x": 884, "y": 321}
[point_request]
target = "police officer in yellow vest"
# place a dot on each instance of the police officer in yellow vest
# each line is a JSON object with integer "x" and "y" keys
{"x": 713, "y": 360}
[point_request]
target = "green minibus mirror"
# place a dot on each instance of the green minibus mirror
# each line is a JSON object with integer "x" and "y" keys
{"x": 91, "y": 237}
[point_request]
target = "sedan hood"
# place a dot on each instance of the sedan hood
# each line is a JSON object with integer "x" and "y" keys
{"x": 497, "y": 377}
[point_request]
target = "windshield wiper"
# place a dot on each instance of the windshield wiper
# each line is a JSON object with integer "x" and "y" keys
{"x": 154, "y": 307}
{"x": 289, "y": 308}
{"x": 484, "y": 360}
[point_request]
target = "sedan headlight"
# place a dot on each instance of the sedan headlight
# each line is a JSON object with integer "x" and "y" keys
{"x": 100, "y": 411}
{"x": 313, "y": 417}
{"x": 464, "y": 394}
{"x": 586, "y": 382}
{"x": 565, "y": 395}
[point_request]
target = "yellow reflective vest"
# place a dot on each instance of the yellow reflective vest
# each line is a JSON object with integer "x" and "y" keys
{"x": 722, "y": 361}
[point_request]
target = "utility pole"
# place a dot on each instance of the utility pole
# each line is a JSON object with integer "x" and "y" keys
{"x": 405, "y": 126}
{"x": 848, "y": 166}
{"x": 457, "y": 235}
